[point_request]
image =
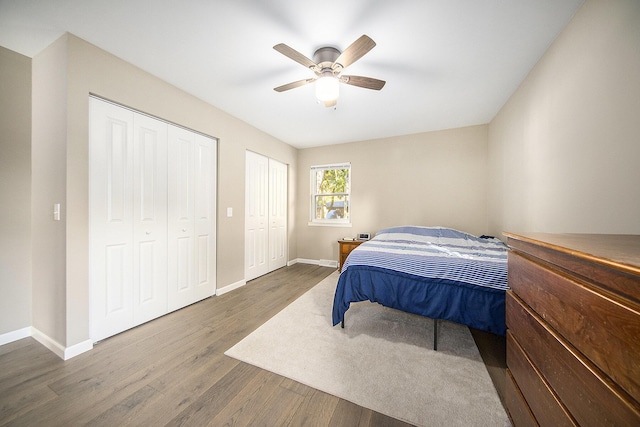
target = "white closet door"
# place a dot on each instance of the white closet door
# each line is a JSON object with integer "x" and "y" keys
{"x": 111, "y": 223}
{"x": 191, "y": 171}
{"x": 205, "y": 211}
{"x": 256, "y": 216}
{"x": 149, "y": 218}
{"x": 277, "y": 215}
{"x": 152, "y": 218}
{"x": 181, "y": 193}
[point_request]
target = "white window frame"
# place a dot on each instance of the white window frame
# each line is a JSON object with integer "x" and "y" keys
{"x": 337, "y": 222}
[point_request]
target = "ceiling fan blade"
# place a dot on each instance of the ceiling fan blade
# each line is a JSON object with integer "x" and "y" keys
{"x": 296, "y": 56}
{"x": 293, "y": 85}
{"x": 355, "y": 51}
{"x": 365, "y": 82}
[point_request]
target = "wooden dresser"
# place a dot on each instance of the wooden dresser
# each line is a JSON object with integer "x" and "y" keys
{"x": 573, "y": 338}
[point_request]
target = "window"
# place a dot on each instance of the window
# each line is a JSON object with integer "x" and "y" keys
{"x": 330, "y": 191}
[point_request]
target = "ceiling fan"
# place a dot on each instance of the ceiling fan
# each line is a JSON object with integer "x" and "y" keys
{"x": 328, "y": 64}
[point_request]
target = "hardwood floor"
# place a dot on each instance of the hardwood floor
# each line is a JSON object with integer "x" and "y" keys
{"x": 172, "y": 371}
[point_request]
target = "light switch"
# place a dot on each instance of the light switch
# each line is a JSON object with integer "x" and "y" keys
{"x": 56, "y": 212}
{"x": 229, "y": 212}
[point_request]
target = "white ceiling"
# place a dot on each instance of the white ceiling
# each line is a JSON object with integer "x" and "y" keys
{"x": 447, "y": 63}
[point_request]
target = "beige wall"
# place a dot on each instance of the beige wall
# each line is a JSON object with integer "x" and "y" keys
{"x": 561, "y": 156}
{"x": 49, "y": 140}
{"x": 435, "y": 178}
{"x": 91, "y": 70}
{"x": 15, "y": 191}
{"x": 565, "y": 149}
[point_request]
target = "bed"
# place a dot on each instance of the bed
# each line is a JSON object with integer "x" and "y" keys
{"x": 435, "y": 272}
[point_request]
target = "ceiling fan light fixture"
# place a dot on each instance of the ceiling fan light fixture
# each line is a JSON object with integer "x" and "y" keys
{"x": 328, "y": 64}
{"x": 327, "y": 89}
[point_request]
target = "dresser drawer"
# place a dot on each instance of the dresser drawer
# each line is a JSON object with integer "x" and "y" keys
{"x": 519, "y": 411}
{"x": 543, "y": 402}
{"x": 604, "y": 329}
{"x": 616, "y": 274}
{"x": 589, "y": 396}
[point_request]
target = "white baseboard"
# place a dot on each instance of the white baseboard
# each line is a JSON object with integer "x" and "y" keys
{"x": 57, "y": 348}
{"x": 307, "y": 261}
{"x": 64, "y": 353}
{"x": 328, "y": 263}
{"x": 77, "y": 349}
{"x": 241, "y": 283}
{"x": 231, "y": 287}
{"x": 15, "y": 335}
{"x": 48, "y": 342}
{"x": 321, "y": 262}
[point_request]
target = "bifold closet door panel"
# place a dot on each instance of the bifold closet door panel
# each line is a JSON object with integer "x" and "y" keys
{"x": 205, "y": 211}
{"x": 256, "y": 216}
{"x": 265, "y": 215}
{"x": 149, "y": 218}
{"x": 128, "y": 224}
{"x": 191, "y": 207}
{"x": 111, "y": 222}
{"x": 277, "y": 215}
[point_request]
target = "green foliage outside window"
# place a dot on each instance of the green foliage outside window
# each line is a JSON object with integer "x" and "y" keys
{"x": 331, "y": 193}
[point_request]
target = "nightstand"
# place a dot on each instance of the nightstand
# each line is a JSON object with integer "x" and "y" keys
{"x": 346, "y": 246}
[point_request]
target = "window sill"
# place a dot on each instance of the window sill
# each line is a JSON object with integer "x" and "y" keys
{"x": 329, "y": 224}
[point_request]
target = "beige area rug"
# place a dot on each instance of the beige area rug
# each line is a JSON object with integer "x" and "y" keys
{"x": 382, "y": 360}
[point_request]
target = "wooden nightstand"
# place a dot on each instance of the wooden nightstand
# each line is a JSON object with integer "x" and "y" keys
{"x": 346, "y": 246}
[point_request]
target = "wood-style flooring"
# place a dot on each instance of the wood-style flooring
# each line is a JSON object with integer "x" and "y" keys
{"x": 173, "y": 371}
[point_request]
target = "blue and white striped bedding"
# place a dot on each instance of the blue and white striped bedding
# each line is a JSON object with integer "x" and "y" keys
{"x": 432, "y": 271}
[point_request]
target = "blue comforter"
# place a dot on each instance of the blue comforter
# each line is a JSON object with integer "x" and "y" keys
{"x": 431, "y": 271}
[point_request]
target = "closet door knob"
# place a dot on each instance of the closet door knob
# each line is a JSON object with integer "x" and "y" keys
{"x": 147, "y": 233}
{"x": 184, "y": 230}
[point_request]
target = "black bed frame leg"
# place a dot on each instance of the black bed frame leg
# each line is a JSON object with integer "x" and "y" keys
{"x": 342, "y": 324}
{"x": 435, "y": 334}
